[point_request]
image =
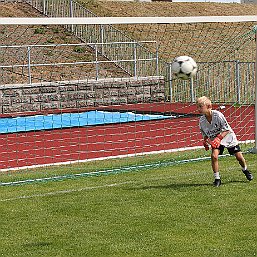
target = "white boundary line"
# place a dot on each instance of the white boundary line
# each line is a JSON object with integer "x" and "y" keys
{"x": 55, "y": 193}
{"x": 63, "y": 192}
{"x": 112, "y": 157}
{"x": 124, "y": 20}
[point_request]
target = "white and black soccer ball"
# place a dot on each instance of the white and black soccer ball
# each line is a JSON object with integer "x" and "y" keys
{"x": 184, "y": 67}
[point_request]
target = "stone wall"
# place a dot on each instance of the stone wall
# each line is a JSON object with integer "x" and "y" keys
{"x": 46, "y": 97}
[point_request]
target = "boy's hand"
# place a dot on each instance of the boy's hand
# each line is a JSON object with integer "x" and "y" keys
{"x": 215, "y": 143}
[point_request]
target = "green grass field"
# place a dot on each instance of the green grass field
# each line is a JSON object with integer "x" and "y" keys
{"x": 166, "y": 211}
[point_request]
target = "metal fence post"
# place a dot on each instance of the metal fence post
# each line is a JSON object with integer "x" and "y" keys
{"x": 157, "y": 60}
{"x": 192, "y": 93}
{"x": 135, "y": 59}
{"x": 238, "y": 82}
{"x": 102, "y": 39}
{"x": 71, "y": 14}
{"x": 29, "y": 65}
{"x": 44, "y": 7}
{"x": 170, "y": 81}
{"x": 96, "y": 63}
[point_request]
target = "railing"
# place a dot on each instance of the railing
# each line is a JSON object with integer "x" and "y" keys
{"x": 226, "y": 81}
{"x": 91, "y": 33}
{"x": 58, "y": 56}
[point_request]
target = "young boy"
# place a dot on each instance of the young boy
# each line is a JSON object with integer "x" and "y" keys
{"x": 219, "y": 135}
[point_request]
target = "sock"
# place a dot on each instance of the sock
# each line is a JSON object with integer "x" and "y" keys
{"x": 216, "y": 175}
{"x": 245, "y": 168}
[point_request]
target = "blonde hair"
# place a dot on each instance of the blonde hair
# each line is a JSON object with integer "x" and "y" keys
{"x": 203, "y": 100}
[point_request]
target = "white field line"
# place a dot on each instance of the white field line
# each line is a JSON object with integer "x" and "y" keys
{"x": 63, "y": 192}
{"x": 111, "y": 157}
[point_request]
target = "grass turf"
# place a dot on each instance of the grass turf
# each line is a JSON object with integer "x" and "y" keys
{"x": 169, "y": 211}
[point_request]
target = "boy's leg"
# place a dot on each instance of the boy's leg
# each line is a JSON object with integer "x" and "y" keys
{"x": 239, "y": 156}
{"x": 215, "y": 166}
{"x": 214, "y": 160}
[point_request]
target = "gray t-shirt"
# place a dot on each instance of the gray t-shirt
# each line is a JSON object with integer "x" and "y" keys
{"x": 218, "y": 125}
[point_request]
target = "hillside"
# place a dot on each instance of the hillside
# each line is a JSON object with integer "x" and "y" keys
{"x": 17, "y": 10}
{"x": 134, "y": 9}
{"x": 171, "y": 40}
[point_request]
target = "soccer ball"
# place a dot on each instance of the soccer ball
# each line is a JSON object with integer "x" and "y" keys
{"x": 184, "y": 67}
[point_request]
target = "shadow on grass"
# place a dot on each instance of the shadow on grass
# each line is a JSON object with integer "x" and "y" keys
{"x": 179, "y": 186}
{"x": 176, "y": 186}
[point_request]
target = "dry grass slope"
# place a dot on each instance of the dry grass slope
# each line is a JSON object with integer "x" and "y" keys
{"x": 153, "y": 9}
{"x": 134, "y": 9}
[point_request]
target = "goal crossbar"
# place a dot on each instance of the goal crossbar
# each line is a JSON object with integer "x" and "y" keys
{"x": 127, "y": 20}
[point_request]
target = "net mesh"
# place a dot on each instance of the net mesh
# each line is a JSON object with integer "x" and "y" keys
{"x": 87, "y": 95}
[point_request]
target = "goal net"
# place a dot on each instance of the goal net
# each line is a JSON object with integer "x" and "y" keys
{"x": 82, "y": 96}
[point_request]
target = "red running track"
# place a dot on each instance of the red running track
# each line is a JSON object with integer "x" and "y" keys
{"x": 72, "y": 144}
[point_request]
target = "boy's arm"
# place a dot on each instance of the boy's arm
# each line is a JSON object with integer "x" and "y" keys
{"x": 206, "y": 140}
{"x": 224, "y": 133}
{"x": 215, "y": 143}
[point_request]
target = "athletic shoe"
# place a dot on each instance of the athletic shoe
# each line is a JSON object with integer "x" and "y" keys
{"x": 217, "y": 182}
{"x": 248, "y": 175}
